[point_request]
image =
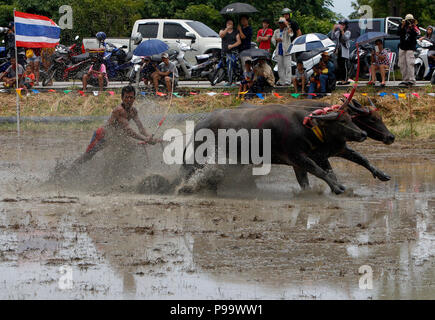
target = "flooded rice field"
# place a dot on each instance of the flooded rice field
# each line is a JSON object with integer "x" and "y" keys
{"x": 96, "y": 236}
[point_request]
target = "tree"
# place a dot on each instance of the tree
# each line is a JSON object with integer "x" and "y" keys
{"x": 422, "y": 10}
{"x": 202, "y": 12}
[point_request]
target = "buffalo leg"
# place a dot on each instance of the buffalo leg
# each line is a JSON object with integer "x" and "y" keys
{"x": 302, "y": 177}
{"x": 305, "y": 163}
{"x": 357, "y": 158}
{"x": 326, "y": 165}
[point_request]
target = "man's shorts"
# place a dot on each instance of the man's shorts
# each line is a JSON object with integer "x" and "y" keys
{"x": 94, "y": 82}
{"x": 163, "y": 82}
{"x": 97, "y": 141}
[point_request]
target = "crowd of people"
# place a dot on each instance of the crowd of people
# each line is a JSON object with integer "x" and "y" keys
{"x": 258, "y": 76}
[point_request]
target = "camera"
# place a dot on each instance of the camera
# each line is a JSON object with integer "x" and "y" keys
{"x": 3, "y": 29}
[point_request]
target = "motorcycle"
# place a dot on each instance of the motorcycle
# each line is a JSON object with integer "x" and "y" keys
{"x": 65, "y": 66}
{"x": 424, "y": 68}
{"x": 365, "y": 56}
{"x": 204, "y": 62}
{"x": 117, "y": 61}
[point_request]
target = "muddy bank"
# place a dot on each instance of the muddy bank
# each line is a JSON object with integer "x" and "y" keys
{"x": 253, "y": 239}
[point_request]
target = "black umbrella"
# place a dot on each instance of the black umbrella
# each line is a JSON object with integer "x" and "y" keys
{"x": 238, "y": 8}
{"x": 255, "y": 53}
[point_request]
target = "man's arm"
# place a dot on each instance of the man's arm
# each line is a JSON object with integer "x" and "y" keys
{"x": 122, "y": 120}
{"x": 223, "y": 33}
{"x": 242, "y": 35}
{"x": 140, "y": 126}
{"x": 236, "y": 44}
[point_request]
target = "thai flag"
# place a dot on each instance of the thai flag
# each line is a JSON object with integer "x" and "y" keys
{"x": 34, "y": 31}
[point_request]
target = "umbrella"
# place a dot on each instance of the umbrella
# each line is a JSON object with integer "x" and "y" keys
{"x": 310, "y": 54}
{"x": 370, "y": 36}
{"x": 310, "y": 41}
{"x": 255, "y": 53}
{"x": 150, "y": 47}
{"x": 238, "y": 8}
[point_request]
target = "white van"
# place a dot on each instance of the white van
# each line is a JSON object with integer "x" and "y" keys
{"x": 171, "y": 30}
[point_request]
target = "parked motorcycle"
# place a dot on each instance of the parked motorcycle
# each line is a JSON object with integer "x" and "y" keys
{"x": 117, "y": 61}
{"x": 424, "y": 68}
{"x": 365, "y": 56}
{"x": 204, "y": 63}
{"x": 66, "y": 66}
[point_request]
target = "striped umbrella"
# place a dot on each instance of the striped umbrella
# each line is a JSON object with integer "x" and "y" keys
{"x": 310, "y": 41}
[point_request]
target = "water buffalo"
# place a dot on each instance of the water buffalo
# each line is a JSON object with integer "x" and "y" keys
{"x": 366, "y": 118}
{"x": 293, "y": 141}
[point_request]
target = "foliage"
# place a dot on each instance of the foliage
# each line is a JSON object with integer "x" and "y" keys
{"x": 422, "y": 10}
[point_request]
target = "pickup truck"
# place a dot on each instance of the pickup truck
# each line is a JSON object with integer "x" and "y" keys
{"x": 169, "y": 31}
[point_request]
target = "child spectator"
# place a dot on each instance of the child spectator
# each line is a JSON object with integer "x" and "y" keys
{"x": 300, "y": 78}
{"x": 248, "y": 77}
{"x": 29, "y": 79}
{"x": 315, "y": 79}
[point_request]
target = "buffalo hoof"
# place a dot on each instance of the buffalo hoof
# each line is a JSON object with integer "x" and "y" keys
{"x": 185, "y": 189}
{"x": 381, "y": 176}
{"x": 338, "y": 189}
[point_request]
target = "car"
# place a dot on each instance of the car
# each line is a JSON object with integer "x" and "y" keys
{"x": 169, "y": 31}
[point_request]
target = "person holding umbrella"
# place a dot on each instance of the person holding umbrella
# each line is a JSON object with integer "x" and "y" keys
{"x": 282, "y": 40}
{"x": 230, "y": 43}
{"x": 245, "y": 33}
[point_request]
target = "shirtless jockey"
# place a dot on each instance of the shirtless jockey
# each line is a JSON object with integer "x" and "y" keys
{"x": 118, "y": 122}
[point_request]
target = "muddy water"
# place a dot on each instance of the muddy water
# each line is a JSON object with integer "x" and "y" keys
{"x": 253, "y": 240}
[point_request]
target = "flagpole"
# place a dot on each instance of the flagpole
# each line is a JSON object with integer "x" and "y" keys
{"x": 16, "y": 79}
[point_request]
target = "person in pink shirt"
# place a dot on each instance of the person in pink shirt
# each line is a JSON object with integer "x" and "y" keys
{"x": 264, "y": 36}
{"x": 96, "y": 75}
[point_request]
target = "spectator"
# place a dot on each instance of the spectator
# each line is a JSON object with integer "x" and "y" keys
{"x": 342, "y": 35}
{"x": 324, "y": 77}
{"x": 10, "y": 45}
{"x": 286, "y": 12}
{"x": 166, "y": 73}
{"x": 263, "y": 77}
{"x": 264, "y": 36}
{"x": 315, "y": 85}
{"x": 46, "y": 60}
{"x": 282, "y": 40}
{"x": 29, "y": 79}
{"x": 245, "y": 33}
{"x": 300, "y": 78}
{"x": 248, "y": 77}
{"x": 408, "y": 40}
{"x": 230, "y": 43}
{"x": 33, "y": 60}
{"x": 430, "y": 36}
{"x": 147, "y": 70}
{"x": 97, "y": 75}
{"x": 9, "y": 76}
{"x": 379, "y": 63}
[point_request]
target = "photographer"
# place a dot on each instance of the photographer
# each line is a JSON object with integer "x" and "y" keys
{"x": 408, "y": 40}
{"x": 342, "y": 35}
